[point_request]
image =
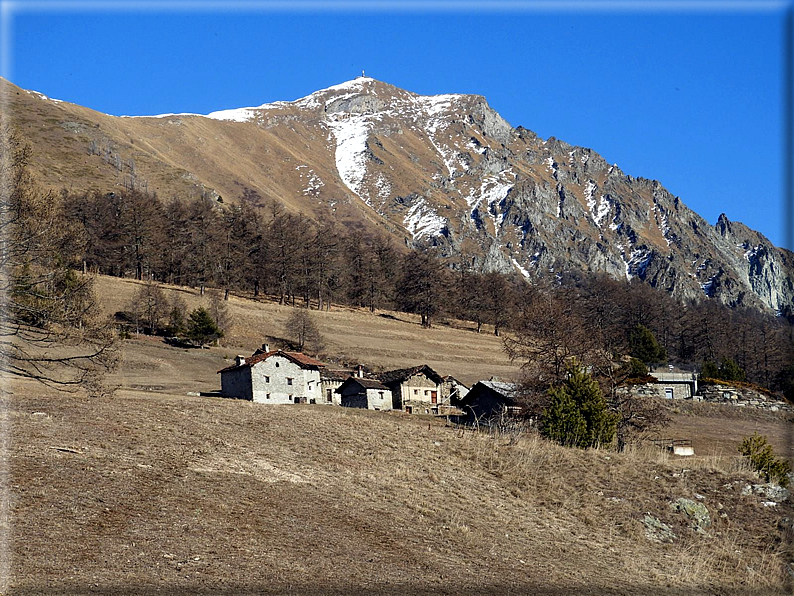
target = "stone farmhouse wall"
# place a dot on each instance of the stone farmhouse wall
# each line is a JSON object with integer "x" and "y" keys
{"x": 417, "y": 391}
{"x": 278, "y": 380}
{"x": 372, "y": 399}
{"x": 713, "y": 393}
{"x": 237, "y": 383}
{"x": 331, "y": 385}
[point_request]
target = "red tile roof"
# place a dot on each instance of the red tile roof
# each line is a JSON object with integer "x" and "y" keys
{"x": 298, "y": 358}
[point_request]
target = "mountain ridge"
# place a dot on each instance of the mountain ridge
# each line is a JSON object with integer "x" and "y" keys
{"x": 444, "y": 171}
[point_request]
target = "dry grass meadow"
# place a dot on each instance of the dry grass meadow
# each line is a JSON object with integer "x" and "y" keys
{"x": 154, "y": 491}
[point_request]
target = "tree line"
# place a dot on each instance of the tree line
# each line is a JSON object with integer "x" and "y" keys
{"x": 261, "y": 249}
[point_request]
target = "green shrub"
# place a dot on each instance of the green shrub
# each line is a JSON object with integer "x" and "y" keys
{"x": 636, "y": 369}
{"x": 759, "y": 452}
{"x": 201, "y": 327}
{"x": 577, "y": 414}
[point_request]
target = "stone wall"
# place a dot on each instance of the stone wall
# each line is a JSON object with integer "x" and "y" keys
{"x": 416, "y": 388}
{"x": 679, "y": 390}
{"x": 237, "y": 383}
{"x": 713, "y": 393}
{"x": 741, "y": 396}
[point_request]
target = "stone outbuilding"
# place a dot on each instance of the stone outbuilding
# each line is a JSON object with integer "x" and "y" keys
{"x": 273, "y": 377}
{"x": 371, "y": 394}
{"x": 488, "y": 400}
{"x": 675, "y": 385}
{"x": 416, "y": 390}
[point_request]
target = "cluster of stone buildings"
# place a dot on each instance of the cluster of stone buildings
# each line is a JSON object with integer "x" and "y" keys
{"x": 281, "y": 377}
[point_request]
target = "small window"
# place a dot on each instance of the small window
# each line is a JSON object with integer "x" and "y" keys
{"x": 291, "y": 399}
{"x": 276, "y": 364}
{"x": 381, "y": 394}
{"x": 267, "y": 379}
{"x": 328, "y": 395}
{"x": 289, "y": 381}
{"x": 416, "y": 391}
{"x": 427, "y": 392}
{"x": 267, "y": 396}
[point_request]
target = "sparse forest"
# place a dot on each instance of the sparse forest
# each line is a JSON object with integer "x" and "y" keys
{"x": 261, "y": 250}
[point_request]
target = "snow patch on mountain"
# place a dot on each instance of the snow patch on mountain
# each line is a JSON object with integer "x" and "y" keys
{"x": 311, "y": 179}
{"x": 518, "y": 266}
{"x": 708, "y": 287}
{"x": 433, "y": 108}
{"x": 494, "y": 189}
{"x": 316, "y": 100}
{"x": 384, "y": 187}
{"x": 599, "y": 210}
{"x": 234, "y": 115}
{"x": 44, "y": 97}
{"x": 663, "y": 222}
{"x": 422, "y": 220}
{"x": 351, "y": 132}
{"x": 750, "y": 253}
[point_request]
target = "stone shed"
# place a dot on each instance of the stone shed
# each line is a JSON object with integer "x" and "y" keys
{"x": 371, "y": 394}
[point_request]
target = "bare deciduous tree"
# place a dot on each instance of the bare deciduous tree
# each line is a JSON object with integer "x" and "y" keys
{"x": 302, "y": 329}
{"x": 149, "y": 307}
{"x": 51, "y": 328}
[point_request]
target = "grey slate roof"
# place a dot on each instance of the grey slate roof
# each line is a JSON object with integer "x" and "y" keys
{"x": 402, "y": 374}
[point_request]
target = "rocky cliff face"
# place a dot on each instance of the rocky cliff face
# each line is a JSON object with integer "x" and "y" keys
{"x": 449, "y": 172}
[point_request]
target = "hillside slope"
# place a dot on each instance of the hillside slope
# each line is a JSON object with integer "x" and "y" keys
{"x": 442, "y": 170}
{"x": 150, "y": 493}
{"x": 381, "y": 340}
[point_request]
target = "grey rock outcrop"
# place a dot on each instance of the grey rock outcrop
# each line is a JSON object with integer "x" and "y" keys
{"x": 697, "y": 513}
{"x": 657, "y": 531}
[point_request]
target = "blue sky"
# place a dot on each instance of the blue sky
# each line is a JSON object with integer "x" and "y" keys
{"x": 689, "y": 93}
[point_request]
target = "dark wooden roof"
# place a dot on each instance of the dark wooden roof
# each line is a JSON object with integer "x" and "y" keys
{"x": 507, "y": 392}
{"x": 365, "y": 383}
{"x": 403, "y": 374}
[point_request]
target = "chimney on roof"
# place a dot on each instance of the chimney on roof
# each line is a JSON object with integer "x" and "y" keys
{"x": 265, "y": 347}
{"x": 239, "y": 360}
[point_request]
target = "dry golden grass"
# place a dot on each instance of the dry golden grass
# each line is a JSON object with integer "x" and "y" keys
{"x": 153, "y": 491}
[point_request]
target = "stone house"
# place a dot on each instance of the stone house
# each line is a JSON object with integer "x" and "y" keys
{"x": 371, "y": 394}
{"x": 275, "y": 377}
{"x": 416, "y": 390}
{"x": 488, "y": 400}
{"x": 330, "y": 381}
{"x": 452, "y": 391}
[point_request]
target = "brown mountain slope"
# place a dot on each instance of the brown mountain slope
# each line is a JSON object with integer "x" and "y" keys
{"x": 441, "y": 170}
